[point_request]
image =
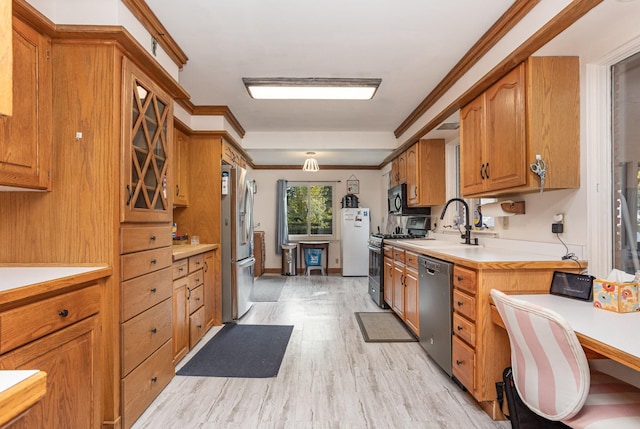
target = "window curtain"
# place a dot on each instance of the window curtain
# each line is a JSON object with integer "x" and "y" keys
{"x": 282, "y": 231}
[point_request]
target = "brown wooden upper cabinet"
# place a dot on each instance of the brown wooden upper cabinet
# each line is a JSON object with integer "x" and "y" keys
{"x": 146, "y": 155}
{"x": 26, "y": 136}
{"x": 532, "y": 111}
{"x": 399, "y": 170}
{"x": 425, "y": 173}
{"x": 6, "y": 59}
{"x": 180, "y": 168}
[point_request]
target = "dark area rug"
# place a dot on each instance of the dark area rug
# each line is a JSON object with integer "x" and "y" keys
{"x": 383, "y": 327}
{"x": 246, "y": 351}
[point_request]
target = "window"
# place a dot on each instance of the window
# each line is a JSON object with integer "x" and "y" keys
{"x": 310, "y": 209}
{"x": 625, "y": 84}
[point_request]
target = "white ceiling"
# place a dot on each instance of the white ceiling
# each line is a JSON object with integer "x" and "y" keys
{"x": 410, "y": 44}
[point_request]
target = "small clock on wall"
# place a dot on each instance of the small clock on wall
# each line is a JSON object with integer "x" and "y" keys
{"x": 353, "y": 185}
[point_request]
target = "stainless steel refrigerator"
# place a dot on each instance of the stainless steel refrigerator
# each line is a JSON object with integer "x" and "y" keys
{"x": 237, "y": 242}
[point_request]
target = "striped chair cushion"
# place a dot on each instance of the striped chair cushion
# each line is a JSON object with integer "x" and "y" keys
{"x": 551, "y": 371}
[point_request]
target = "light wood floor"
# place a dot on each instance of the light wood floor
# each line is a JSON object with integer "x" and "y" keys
{"x": 329, "y": 378}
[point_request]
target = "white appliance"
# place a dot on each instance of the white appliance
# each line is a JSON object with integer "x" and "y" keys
{"x": 354, "y": 248}
{"x": 237, "y": 242}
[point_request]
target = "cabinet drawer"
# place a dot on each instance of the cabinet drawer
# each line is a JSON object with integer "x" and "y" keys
{"x": 411, "y": 259}
{"x": 196, "y": 298}
{"x": 141, "y": 293}
{"x": 196, "y": 279}
{"x": 398, "y": 254}
{"x": 463, "y": 363}
{"x": 196, "y": 327}
{"x": 30, "y": 322}
{"x": 196, "y": 262}
{"x": 464, "y": 278}
{"x": 146, "y": 382}
{"x": 180, "y": 268}
{"x": 388, "y": 251}
{"x": 137, "y": 238}
{"x": 143, "y": 334}
{"x": 464, "y": 329}
{"x": 137, "y": 264}
{"x": 464, "y": 304}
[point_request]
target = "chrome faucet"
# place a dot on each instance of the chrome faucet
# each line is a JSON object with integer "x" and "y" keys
{"x": 467, "y": 224}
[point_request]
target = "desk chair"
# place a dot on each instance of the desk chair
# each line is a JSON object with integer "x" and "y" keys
{"x": 551, "y": 372}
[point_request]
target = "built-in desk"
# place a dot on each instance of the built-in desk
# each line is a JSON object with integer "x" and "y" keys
{"x": 613, "y": 335}
{"x": 314, "y": 245}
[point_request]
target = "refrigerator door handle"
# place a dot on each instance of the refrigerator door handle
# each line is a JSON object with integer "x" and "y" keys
{"x": 246, "y": 262}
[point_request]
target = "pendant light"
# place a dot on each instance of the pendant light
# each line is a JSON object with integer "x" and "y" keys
{"x": 310, "y": 164}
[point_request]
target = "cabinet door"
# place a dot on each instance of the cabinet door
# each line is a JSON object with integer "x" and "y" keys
{"x": 388, "y": 281}
{"x": 26, "y": 136}
{"x": 471, "y": 147}
{"x": 505, "y": 138}
{"x": 411, "y": 164}
{"x": 147, "y": 148}
{"x": 395, "y": 176}
{"x": 6, "y": 59}
{"x": 180, "y": 168}
{"x": 398, "y": 289}
{"x": 411, "y": 300}
{"x": 71, "y": 360}
{"x": 402, "y": 168}
{"x": 180, "y": 319}
{"x": 212, "y": 290}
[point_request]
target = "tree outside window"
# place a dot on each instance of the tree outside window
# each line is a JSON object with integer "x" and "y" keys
{"x": 310, "y": 209}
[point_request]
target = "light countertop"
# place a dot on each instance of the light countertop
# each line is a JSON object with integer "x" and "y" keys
{"x": 181, "y": 251}
{"x": 481, "y": 255}
{"x": 12, "y": 277}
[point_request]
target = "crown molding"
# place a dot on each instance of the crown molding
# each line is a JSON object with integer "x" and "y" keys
{"x": 502, "y": 26}
{"x": 194, "y": 110}
{"x": 152, "y": 24}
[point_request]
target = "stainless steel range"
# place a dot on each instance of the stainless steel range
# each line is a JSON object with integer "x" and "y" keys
{"x": 417, "y": 228}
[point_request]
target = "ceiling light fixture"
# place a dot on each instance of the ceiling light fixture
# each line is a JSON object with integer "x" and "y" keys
{"x": 313, "y": 88}
{"x": 310, "y": 164}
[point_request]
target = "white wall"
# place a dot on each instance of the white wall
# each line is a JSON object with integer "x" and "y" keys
{"x": 370, "y": 196}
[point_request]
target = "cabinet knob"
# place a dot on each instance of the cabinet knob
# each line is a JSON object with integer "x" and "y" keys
{"x": 154, "y": 330}
{"x": 459, "y": 328}
{"x": 459, "y": 362}
{"x": 154, "y": 379}
{"x": 154, "y": 261}
{"x": 154, "y": 290}
{"x": 460, "y": 303}
{"x": 152, "y": 238}
{"x": 460, "y": 278}
{"x": 63, "y": 313}
{"x": 181, "y": 269}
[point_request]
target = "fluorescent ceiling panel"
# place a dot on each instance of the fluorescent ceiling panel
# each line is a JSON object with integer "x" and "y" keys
{"x": 311, "y": 88}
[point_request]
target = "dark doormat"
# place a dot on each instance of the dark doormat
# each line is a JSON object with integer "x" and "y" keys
{"x": 383, "y": 327}
{"x": 267, "y": 288}
{"x": 247, "y": 351}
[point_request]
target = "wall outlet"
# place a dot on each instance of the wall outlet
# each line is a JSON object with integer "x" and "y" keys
{"x": 337, "y": 260}
{"x": 505, "y": 223}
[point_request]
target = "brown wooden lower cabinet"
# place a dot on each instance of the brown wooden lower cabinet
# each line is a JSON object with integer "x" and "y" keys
{"x": 71, "y": 360}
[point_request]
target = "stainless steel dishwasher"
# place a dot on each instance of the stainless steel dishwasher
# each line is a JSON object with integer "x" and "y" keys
{"x": 434, "y": 296}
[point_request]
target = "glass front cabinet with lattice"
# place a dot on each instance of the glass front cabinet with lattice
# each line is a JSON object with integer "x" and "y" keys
{"x": 147, "y": 121}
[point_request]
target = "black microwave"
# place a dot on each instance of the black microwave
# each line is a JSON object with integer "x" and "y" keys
{"x": 397, "y": 203}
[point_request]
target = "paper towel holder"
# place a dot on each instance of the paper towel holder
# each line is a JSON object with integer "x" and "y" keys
{"x": 510, "y": 207}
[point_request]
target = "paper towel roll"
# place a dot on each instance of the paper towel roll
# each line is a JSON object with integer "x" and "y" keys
{"x": 495, "y": 209}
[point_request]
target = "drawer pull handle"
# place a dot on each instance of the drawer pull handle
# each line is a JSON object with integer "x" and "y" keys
{"x": 460, "y": 328}
{"x": 154, "y": 379}
{"x": 460, "y": 303}
{"x": 197, "y": 299}
{"x": 154, "y": 331}
{"x": 459, "y": 362}
{"x": 152, "y": 238}
{"x": 197, "y": 279}
{"x": 199, "y": 326}
{"x": 460, "y": 278}
{"x": 181, "y": 269}
{"x": 154, "y": 261}
{"x": 63, "y": 313}
{"x": 154, "y": 290}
